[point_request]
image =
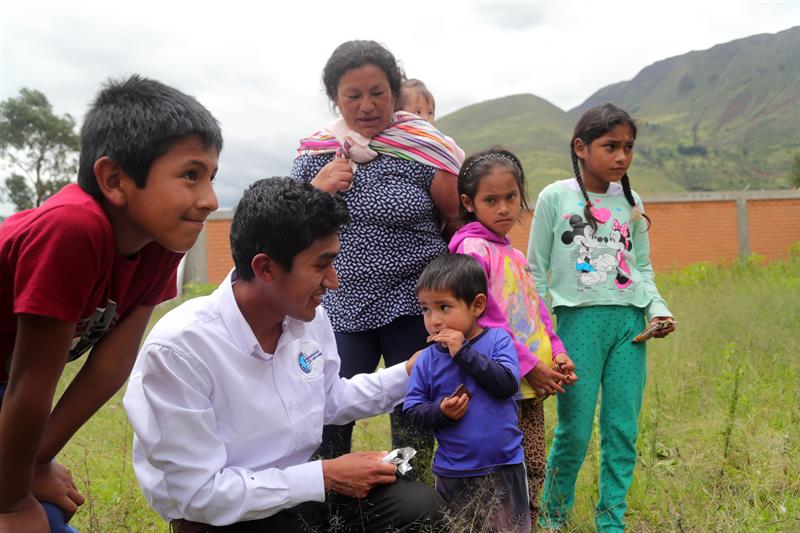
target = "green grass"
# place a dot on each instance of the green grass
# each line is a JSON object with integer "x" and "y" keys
{"x": 719, "y": 444}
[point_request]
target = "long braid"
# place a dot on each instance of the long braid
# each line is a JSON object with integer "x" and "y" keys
{"x": 626, "y": 189}
{"x": 587, "y": 209}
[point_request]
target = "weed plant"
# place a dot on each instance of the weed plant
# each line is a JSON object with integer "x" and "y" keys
{"x": 719, "y": 440}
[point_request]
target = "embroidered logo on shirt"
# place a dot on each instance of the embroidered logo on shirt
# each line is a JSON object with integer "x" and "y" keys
{"x": 306, "y": 360}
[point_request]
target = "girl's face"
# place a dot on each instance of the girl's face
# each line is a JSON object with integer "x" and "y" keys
{"x": 607, "y": 158}
{"x": 365, "y": 99}
{"x": 497, "y": 202}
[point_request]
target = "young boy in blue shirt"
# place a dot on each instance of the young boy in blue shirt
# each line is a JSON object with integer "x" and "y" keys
{"x": 84, "y": 270}
{"x": 463, "y": 387}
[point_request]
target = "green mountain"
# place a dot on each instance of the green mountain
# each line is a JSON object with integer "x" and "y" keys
{"x": 725, "y": 118}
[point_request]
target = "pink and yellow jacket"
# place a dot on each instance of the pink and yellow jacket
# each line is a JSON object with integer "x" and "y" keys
{"x": 513, "y": 302}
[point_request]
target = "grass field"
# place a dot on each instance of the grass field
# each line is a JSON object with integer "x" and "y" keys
{"x": 719, "y": 445}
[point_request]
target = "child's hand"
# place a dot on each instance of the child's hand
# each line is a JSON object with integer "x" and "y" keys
{"x": 453, "y": 339}
{"x": 335, "y": 176}
{"x": 663, "y": 332}
{"x": 454, "y": 408}
{"x": 562, "y": 363}
{"x": 53, "y": 483}
{"x": 545, "y": 380}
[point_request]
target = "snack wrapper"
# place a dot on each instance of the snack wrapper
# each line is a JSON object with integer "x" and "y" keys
{"x": 401, "y": 457}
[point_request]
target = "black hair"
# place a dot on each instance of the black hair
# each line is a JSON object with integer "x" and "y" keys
{"x": 413, "y": 84}
{"x": 136, "y": 121}
{"x": 355, "y": 54}
{"x": 593, "y": 124}
{"x": 481, "y": 164}
{"x": 281, "y": 217}
{"x": 458, "y": 274}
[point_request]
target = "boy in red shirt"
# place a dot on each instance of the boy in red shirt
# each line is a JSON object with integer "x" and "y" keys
{"x": 84, "y": 270}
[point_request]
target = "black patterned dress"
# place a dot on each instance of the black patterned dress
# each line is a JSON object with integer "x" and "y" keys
{"x": 393, "y": 235}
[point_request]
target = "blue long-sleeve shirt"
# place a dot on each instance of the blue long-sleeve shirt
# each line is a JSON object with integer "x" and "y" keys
{"x": 488, "y": 434}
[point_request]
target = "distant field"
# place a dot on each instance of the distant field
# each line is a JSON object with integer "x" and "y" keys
{"x": 719, "y": 448}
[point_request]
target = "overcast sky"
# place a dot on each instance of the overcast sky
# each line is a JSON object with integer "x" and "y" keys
{"x": 257, "y": 67}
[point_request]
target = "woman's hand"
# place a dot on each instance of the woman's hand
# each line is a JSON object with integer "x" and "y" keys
{"x": 666, "y": 330}
{"x": 335, "y": 176}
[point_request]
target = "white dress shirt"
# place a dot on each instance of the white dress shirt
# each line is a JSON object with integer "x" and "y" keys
{"x": 223, "y": 431}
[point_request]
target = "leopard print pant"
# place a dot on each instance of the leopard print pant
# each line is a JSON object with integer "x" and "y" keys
{"x": 531, "y": 422}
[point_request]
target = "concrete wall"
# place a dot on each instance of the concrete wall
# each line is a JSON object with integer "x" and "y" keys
{"x": 687, "y": 228}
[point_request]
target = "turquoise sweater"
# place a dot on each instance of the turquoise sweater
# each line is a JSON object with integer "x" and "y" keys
{"x": 611, "y": 267}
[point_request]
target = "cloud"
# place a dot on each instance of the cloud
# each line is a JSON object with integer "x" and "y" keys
{"x": 512, "y": 15}
{"x": 257, "y": 67}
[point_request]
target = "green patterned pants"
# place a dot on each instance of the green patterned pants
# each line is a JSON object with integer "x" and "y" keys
{"x": 598, "y": 339}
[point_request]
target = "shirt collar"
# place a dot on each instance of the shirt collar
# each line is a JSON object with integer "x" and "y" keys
{"x": 234, "y": 320}
{"x": 241, "y": 332}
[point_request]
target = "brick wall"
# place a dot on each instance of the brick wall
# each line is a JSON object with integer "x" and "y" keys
{"x": 218, "y": 249}
{"x": 686, "y": 229}
{"x": 774, "y": 226}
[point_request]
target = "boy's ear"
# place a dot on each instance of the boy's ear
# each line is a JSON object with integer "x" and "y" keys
{"x": 263, "y": 267}
{"x": 109, "y": 176}
{"x": 478, "y": 305}
{"x": 467, "y": 203}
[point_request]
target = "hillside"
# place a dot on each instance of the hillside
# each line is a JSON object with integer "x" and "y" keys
{"x": 538, "y": 132}
{"x": 725, "y": 118}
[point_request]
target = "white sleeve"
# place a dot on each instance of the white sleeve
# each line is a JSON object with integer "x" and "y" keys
{"x": 363, "y": 395}
{"x": 168, "y": 402}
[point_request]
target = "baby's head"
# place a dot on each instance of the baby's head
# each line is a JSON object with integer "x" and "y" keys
{"x": 416, "y": 98}
{"x": 452, "y": 294}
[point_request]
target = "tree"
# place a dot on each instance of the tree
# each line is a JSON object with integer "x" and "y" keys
{"x": 39, "y": 145}
{"x": 794, "y": 174}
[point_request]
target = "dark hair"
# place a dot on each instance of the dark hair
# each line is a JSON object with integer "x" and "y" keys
{"x": 281, "y": 217}
{"x": 458, "y": 274}
{"x": 356, "y": 54}
{"x": 413, "y": 84}
{"x": 593, "y": 124}
{"x": 136, "y": 121}
{"x": 481, "y": 164}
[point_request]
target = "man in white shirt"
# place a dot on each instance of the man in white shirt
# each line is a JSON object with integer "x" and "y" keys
{"x": 230, "y": 391}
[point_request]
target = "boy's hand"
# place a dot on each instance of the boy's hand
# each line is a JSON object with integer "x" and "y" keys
{"x": 335, "y": 176}
{"x": 453, "y": 339}
{"x": 28, "y": 516}
{"x": 545, "y": 380}
{"x": 355, "y": 474}
{"x": 53, "y": 483}
{"x": 454, "y": 408}
{"x": 669, "y": 328}
{"x": 562, "y": 363}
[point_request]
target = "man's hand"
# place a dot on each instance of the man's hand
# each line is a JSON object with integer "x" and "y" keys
{"x": 355, "y": 474}
{"x": 412, "y": 361}
{"x": 454, "y": 408}
{"x": 53, "y": 483}
{"x": 453, "y": 339}
{"x": 335, "y": 176}
{"x": 545, "y": 380}
{"x": 28, "y": 516}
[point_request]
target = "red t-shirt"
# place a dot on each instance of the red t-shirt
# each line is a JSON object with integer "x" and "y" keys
{"x": 59, "y": 260}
